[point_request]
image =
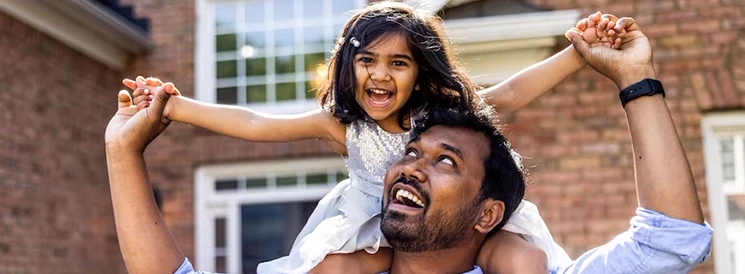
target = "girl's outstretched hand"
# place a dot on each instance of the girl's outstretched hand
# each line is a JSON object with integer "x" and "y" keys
{"x": 142, "y": 95}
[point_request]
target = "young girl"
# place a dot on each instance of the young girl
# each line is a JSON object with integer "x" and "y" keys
{"x": 390, "y": 65}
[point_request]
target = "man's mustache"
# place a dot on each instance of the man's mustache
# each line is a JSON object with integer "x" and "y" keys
{"x": 414, "y": 183}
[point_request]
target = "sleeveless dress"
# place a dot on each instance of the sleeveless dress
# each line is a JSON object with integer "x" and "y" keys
{"x": 348, "y": 218}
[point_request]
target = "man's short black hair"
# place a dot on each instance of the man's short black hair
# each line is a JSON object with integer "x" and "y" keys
{"x": 504, "y": 178}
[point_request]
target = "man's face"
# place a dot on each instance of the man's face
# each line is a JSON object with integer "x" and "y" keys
{"x": 430, "y": 199}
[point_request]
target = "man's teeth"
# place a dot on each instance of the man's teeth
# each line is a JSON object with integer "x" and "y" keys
{"x": 401, "y": 193}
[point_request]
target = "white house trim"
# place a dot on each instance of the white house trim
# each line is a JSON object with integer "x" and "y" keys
{"x": 496, "y": 47}
{"x": 712, "y": 126}
{"x": 208, "y": 204}
{"x": 84, "y": 26}
{"x": 511, "y": 27}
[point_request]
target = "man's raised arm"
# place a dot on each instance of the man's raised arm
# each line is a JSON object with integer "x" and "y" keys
{"x": 664, "y": 181}
{"x": 145, "y": 241}
{"x": 668, "y": 234}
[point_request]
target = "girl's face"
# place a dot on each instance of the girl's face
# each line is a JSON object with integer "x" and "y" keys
{"x": 386, "y": 75}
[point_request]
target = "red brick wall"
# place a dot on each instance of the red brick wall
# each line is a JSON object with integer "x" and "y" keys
{"x": 55, "y": 210}
{"x": 576, "y": 136}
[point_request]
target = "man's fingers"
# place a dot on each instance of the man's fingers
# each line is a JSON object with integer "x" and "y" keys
{"x": 626, "y": 24}
{"x": 171, "y": 89}
{"x": 130, "y": 83}
{"x": 124, "y": 100}
{"x": 158, "y": 104}
{"x": 580, "y": 45}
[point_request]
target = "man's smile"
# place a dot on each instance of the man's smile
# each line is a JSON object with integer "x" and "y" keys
{"x": 403, "y": 197}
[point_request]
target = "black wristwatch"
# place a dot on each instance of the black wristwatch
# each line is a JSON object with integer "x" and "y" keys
{"x": 646, "y": 87}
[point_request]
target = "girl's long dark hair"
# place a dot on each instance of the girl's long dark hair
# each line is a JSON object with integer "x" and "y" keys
{"x": 442, "y": 83}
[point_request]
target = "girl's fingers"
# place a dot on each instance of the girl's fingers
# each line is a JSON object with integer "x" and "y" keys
{"x": 152, "y": 81}
{"x": 140, "y": 91}
{"x": 129, "y": 83}
{"x": 143, "y": 104}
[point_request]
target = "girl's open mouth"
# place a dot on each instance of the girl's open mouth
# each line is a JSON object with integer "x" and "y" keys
{"x": 379, "y": 97}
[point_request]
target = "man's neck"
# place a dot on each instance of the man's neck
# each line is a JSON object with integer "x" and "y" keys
{"x": 454, "y": 260}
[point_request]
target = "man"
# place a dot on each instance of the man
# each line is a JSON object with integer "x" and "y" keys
{"x": 463, "y": 171}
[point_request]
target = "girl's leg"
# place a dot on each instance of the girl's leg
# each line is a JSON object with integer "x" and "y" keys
{"x": 506, "y": 252}
{"x": 359, "y": 262}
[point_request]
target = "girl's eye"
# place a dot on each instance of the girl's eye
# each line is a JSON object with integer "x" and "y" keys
{"x": 399, "y": 63}
{"x": 366, "y": 60}
{"x": 447, "y": 161}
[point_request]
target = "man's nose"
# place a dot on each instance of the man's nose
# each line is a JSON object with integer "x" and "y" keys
{"x": 414, "y": 170}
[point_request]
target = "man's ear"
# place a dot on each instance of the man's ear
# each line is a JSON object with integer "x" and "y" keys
{"x": 491, "y": 216}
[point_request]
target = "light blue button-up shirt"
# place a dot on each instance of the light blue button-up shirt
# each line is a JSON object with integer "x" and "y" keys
{"x": 654, "y": 244}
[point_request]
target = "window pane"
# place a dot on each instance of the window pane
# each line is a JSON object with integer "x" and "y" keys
{"x": 287, "y": 181}
{"x": 313, "y": 35}
{"x": 225, "y": 42}
{"x": 284, "y": 37}
{"x": 313, "y": 8}
{"x": 256, "y": 183}
{"x": 728, "y": 158}
{"x": 256, "y": 39}
{"x": 286, "y": 92}
{"x": 226, "y": 185}
{"x": 313, "y": 60}
{"x": 736, "y": 230}
{"x": 310, "y": 89}
{"x": 221, "y": 265}
{"x": 341, "y": 8}
{"x": 256, "y": 94}
{"x": 227, "y": 96}
{"x": 284, "y": 10}
{"x": 255, "y": 67}
{"x": 317, "y": 179}
{"x": 268, "y": 231}
{"x": 284, "y": 64}
{"x": 220, "y": 232}
{"x": 255, "y": 12}
{"x": 225, "y": 14}
{"x": 227, "y": 69}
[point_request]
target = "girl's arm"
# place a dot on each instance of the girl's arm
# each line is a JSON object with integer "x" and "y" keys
{"x": 525, "y": 86}
{"x": 246, "y": 124}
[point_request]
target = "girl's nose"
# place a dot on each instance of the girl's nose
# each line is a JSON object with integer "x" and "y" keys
{"x": 380, "y": 74}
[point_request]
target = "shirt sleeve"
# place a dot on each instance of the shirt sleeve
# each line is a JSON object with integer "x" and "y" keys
{"x": 187, "y": 268}
{"x": 653, "y": 244}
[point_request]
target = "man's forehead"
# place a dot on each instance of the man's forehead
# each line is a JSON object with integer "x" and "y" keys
{"x": 461, "y": 138}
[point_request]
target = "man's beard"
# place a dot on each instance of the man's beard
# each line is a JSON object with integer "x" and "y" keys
{"x": 443, "y": 230}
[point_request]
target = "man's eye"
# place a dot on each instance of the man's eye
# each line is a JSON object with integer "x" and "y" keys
{"x": 447, "y": 160}
{"x": 411, "y": 153}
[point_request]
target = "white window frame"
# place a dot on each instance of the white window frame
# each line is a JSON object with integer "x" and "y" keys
{"x": 714, "y": 126}
{"x": 204, "y": 64}
{"x": 210, "y": 204}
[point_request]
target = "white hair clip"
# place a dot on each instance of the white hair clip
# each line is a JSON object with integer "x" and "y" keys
{"x": 354, "y": 42}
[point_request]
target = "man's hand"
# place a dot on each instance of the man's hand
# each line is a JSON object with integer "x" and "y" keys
{"x": 133, "y": 130}
{"x": 625, "y": 66}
